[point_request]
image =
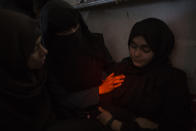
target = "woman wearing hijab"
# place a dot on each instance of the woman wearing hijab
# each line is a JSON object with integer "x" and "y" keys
{"x": 76, "y": 61}
{"x": 154, "y": 95}
{"x": 24, "y": 102}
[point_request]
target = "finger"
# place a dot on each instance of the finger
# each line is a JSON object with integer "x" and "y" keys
{"x": 123, "y": 76}
{"x": 101, "y": 109}
{"x": 117, "y": 85}
{"x": 119, "y": 77}
{"x": 146, "y": 123}
{"x": 111, "y": 83}
{"x": 110, "y": 76}
{"x": 118, "y": 81}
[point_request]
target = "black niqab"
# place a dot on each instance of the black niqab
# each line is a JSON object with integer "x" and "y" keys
{"x": 71, "y": 58}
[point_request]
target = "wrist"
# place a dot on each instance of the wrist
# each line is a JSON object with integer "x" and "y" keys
{"x": 116, "y": 125}
{"x": 109, "y": 123}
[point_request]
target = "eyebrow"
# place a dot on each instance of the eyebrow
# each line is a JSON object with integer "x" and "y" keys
{"x": 146, "y": 45}
{"x": 70, "y": 31}
{"x": 132, "y": 42}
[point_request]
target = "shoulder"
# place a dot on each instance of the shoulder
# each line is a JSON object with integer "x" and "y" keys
{"x": 177, "y": 73}
{"x": 168, "y": 76}
{"x": 176, "y": 80}
{"x": 170, "y": 71}
{"x": 121, "y": 67}
{"x": 124, "y": 62}
{"x": 96, "y": 37}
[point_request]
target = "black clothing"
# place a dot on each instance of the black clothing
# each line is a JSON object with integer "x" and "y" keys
{"x": 157, "y": 91}
{"x": 159, "y": 94}
{"x": 76, "y": 61}
{"x": 24, "y": 102}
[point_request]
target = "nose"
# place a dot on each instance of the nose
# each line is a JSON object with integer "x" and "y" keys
{"x": 44, "y": 50}
{"x": 137, "y": 52}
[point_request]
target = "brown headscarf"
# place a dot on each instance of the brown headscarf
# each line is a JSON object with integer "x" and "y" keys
{"x": 18, "y": 35}
{"x": 24, "y": 101}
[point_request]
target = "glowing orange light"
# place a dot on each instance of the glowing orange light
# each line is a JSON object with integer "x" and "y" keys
{"x": 110, "y": 83}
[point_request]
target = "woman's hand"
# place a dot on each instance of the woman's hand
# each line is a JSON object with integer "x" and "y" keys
{"x": 105, "y": 116}
{"x": 146, "y": 123}
{"x": 110, "y": 83}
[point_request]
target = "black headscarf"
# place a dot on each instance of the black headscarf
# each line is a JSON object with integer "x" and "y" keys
{"x": 24, "y": 101}
{"x": 72, "y": 56}
{"x": 18, "y": 36}
{"x": 58, "y": 16}
{"x": 159, "y": 37}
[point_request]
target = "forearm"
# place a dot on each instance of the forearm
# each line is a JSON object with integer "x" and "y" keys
{"x": 139, "y": 124}
{"x": 84, "y": 98}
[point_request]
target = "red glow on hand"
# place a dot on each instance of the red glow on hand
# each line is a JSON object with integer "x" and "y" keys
{"x": 110, "y": 83}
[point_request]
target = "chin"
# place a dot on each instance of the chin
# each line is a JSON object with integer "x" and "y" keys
{"x": 37, "y": 67}
{"x": 138, "y": 65}
{"x": 40, "y": 66}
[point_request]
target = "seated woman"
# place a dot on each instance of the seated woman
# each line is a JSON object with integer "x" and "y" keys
{"x": 76, "y": 61}
{"x": 154, "y": 95}
{"x": 24, "y": 101}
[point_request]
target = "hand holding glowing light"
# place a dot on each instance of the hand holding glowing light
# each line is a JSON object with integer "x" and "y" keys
{"x": 110, "y": 83}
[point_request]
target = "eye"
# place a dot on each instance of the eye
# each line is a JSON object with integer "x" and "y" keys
{"x": 133, "y": 45}
{"x": 69, "y": 31}
{"x": 146, "y": 49}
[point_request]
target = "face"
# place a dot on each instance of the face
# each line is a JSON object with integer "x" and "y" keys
{"x": 72, "y": 30}
{"x": 37, "y": 58}
{"x": 140, "y": 52}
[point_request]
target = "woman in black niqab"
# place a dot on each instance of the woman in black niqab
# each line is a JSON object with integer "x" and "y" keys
{"x": 75, "y": 59}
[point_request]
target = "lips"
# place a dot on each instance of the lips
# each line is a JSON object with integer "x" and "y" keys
{"x": 43, "y": 60}
{"x": 137, "y": 61}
